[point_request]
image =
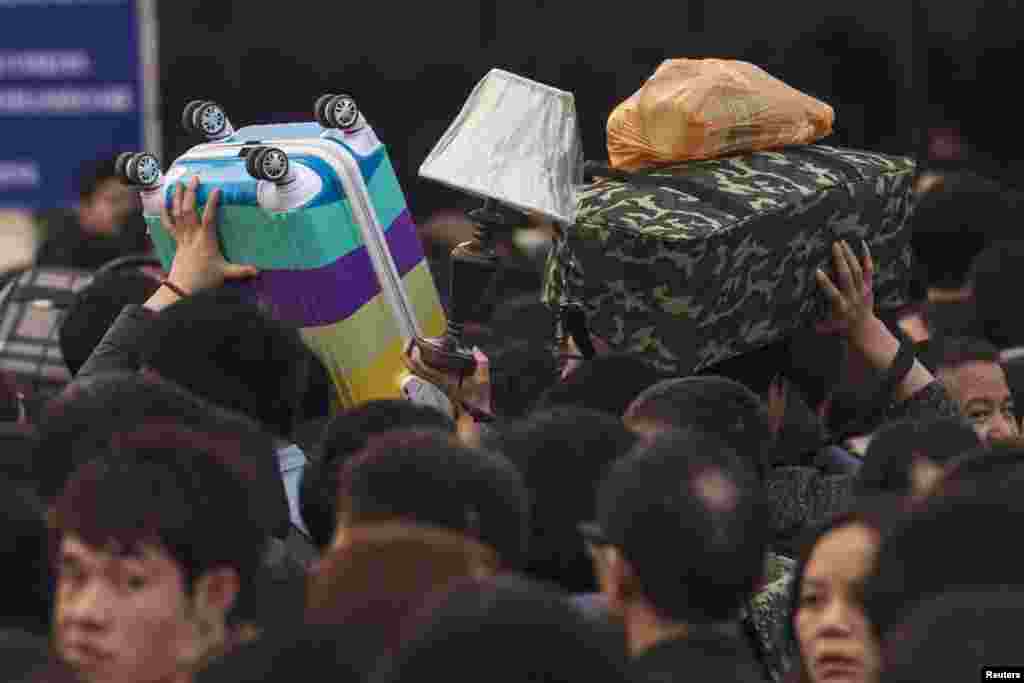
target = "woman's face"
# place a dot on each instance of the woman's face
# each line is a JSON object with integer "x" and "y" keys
{"x": 836, "y": 641}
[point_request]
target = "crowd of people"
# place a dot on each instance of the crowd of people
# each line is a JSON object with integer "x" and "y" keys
{"x": 190, "y": 509}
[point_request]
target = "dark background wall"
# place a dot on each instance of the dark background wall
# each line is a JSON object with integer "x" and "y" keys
{"x": 411, "y": 64}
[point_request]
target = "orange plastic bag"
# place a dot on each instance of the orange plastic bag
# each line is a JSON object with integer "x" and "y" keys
{"x": 707, "y": 108}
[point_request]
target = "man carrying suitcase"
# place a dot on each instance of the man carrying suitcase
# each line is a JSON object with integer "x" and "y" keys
{"x": 236, "y": 358}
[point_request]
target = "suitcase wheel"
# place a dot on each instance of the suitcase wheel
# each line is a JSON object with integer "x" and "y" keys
{"x": 119, "y": 164}
{"x": 139, "y": 169}
{"x": 187, "y": 116}
{"x": 336, "y": 111}
{"x": 206, "y": 118}
{"x": 320, "y": 110}
{"x": 267, "y": 163}
{"x": 211, "y": 119}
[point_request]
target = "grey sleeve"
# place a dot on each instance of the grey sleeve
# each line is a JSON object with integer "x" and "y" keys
{"x": 119, "y": 350}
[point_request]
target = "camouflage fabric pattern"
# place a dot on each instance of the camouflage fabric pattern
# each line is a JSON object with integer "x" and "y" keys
{"x": 768, "y": 613}
{"x": 692, "y": 275}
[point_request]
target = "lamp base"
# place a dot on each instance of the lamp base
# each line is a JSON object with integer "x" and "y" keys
{"x": 474, "y": 267}
{"x": 439, "y": 353}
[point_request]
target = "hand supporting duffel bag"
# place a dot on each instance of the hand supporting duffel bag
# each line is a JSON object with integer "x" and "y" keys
{"x": 706, "y": 260}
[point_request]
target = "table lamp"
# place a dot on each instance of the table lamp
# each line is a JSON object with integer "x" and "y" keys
{"x": 516, "y": 145}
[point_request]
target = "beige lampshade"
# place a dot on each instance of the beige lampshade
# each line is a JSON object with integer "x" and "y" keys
{"x": 515, "y": 141}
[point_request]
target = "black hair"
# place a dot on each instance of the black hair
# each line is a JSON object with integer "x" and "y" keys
{"x": 688, "y": 491}
{"x": 344, "y": 436}
{"x": 801, "y": 433}
{"x": 605, "y": 383}
{"x": 26, "y": 656}
{"x": 24, "y": 545}
{"x": 518, "y": 379}
{"x": 815, "y": 364}
{"x": 945, "y": 545}
{"x": 715, "y": 405}
{"x": 955, "y": 637}
{"x": 18, "y": 444}
{"x": 952, "y": 224}
{"x": 377, "y": 575}
{"x": 955, "y": 352}
{"x": 889, "y": 457}
{"x": 811, "y": 362}
{"x": 564, "y": 454}
{"x": 986, "y": 462}
{"x": 427, "y": 477}
{"x": 755, "y": 369}
{"x": 227, "y": 350}
{"x": 474, "y": 623}
{"x": 94, "y": 310}
{"x": 339, "y": 651}
{"x": 996, "y": 279}
{"x": 317, "y": 392}
{"x": 171, "y": 487}
{"x": 84, "y": 419}
{"x": 93, "y": 173}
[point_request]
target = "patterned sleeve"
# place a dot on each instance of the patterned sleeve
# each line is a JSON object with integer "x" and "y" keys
{"x": 801, "y": 497}
{"x": 768, "y": 613}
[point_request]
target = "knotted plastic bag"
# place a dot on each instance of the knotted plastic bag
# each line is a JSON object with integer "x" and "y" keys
{"x": 708, "y": 108}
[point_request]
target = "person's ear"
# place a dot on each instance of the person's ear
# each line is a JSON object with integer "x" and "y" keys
{"x": 616, "y": 578}
{"x": 484, "y": 565}
{"x": 925, "y": 476}
{"x": 215, "y": 593}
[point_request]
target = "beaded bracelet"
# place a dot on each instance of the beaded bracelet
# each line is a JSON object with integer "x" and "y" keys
{"x": 174, "y": 288}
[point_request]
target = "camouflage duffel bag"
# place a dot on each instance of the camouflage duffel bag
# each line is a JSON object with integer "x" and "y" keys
{"x": 696, "y": 263}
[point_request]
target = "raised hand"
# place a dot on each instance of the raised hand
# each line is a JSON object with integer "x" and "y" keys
{"x": 198, "y": 262}
{"x": 853, "y": 300}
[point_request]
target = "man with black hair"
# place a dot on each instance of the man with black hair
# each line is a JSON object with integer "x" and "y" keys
{"x": 563, "y": 454}
{"x": 212, "y": 341}
{"x": 949, "y": 543}
{"x": 995, "y": 281}
{"x": 954, "y": 218}
{"x": 605, "y": 383}
{"x": 678, "y": 548}
{"x": 901, "y": 386}
{"x": 972, "y": 372}
{"x": 908, "y": 457}
{"x": 426, "y": 477}
{"x": 961, "y": 635}
{"x": 503, "y": 629}
{"x": 91, "y": 411}
{"x": 345, "y": 436}
{"x": 107, "y": 223}
{"x": 88, "y": 416}
{"x": 153, "y": 542}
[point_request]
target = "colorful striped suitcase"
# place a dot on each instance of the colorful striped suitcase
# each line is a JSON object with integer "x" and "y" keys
{"x": 318, "y": 209}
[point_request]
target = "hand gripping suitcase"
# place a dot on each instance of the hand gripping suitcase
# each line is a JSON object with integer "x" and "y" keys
{"x": 318, "y": 209}
{"x": 699, "y": 262}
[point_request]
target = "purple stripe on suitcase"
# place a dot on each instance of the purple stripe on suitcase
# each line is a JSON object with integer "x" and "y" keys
{"x": 322, "y": 296}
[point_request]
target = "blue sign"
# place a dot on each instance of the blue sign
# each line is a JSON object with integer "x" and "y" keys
{"x": 71, "y": 92}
